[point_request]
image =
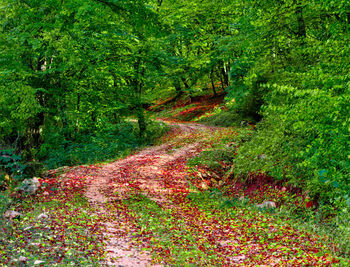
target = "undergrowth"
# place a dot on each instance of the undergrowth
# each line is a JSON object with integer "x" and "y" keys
{"x": 293, "y": 203}
{"x": 105, "y": 144}
{"x": 52, "y": 232}
{"x": 197, "y": 232}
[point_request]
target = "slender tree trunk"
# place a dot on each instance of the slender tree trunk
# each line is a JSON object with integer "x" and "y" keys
{"x": 212, "y": 82}
{"x": 221, "y": 80}
{"x": 138, "y": 86}
{"x": 301, "y": 33}
{"x": 224, "y": 75}
{"x": 141, "y": 122}
{"x": 185, "y": 83}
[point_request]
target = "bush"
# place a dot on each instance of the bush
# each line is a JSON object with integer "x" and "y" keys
{"x": 110, "y": 142}
{"x": 213, "y": 159}
{"x": 11, "y": 168}
{"x": 305, "y": 137}
{"x": 246, "y": 94}
{"x": 223, "y": 118}
{"x": 155, "y": 130}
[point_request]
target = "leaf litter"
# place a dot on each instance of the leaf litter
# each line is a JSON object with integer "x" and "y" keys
{"x": 150, "y": 209}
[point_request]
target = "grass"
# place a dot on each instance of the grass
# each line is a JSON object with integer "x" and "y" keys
{"x": 183, "y": 235}
{"x": 258, "y": 188}
{"x": 69, "y": 236}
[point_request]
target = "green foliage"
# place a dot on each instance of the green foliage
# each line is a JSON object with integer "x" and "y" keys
{"x": 111, "y": 142}
{"x": 71, "y": 72}
{"x": 154, "y": 131}
{"x": 305, "y": 137}
{"x": 74, "y": 244}
{"x": 73, "y": 66}
{"x": 222, "y": 118}
{"x": 214, "y": 158}
{"x": 11, "y": 168}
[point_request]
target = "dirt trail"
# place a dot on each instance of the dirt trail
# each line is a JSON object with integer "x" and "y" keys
{"x": 144, "y": 170}
{"x": 144, "y": 205}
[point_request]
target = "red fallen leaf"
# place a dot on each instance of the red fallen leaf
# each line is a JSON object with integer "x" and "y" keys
{"x": 309, "y": 204}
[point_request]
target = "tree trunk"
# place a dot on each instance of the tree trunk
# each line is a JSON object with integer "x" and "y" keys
{"x": 141, "y": 122}
{"x": 221, "y": 80}
{"x": 224, "y": 75}
{"x": 185, "y": 83}
{"x": 301, "y": 33}
{"x": 138, "y": 86}
{"x": 212, "y": 82}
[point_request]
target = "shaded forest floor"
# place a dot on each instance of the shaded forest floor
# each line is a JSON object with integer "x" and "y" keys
{"x": 151, "y": 209}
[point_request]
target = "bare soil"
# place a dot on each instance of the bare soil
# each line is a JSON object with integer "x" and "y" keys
{"x": 145, "y": 168}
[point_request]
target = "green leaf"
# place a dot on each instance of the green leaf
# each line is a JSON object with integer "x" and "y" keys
{"x": 322, "y": 173}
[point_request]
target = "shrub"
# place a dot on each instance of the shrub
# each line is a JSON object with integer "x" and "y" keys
{"x": 224, "y": 118}
{"x": 305, "y": 137}
{"x": 11, "y": 168}
{"x": 110, "y": 142}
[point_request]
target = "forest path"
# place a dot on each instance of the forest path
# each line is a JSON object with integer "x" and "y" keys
{"x": 157, "y": 211}
{"x": 141, "y": 173}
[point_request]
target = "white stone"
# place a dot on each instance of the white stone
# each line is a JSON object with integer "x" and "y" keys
{"x": 267, "y": 204}
{"x": 43, "y": 216}
{"x": 11, "y": 214}
{"x": 30, "y": 186}
{"x": 239, "y": 258}
{"x": 23, "y": 259}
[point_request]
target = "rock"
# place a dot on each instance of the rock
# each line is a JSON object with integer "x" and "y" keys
{"x": 30, "y": 186}
{"x": 244, "y": 123}
{"x": 243, "y": 199}
{"x": 42, "y": 216}
{"x": 38, "y": 262}
{"x": 267, "y": 204}
{"x": 239, "y": 258}
{"x": 11, "y": 214}
{"x": 262, "y": 156}
{"x": 23, "y": 259}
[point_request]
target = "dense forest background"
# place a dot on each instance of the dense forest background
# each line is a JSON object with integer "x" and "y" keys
{"x": 73, "y": 73}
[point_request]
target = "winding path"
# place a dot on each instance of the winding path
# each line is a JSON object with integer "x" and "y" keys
{"x": 144, "y": 169}
{"x": 188, "y": 233}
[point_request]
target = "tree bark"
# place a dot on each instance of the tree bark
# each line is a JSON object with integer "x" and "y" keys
{"x": 141, "y": 122}
{"x": 212, "y": 82}
{"x": 185, "y": 83}
{"x": 301, "y": 33}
